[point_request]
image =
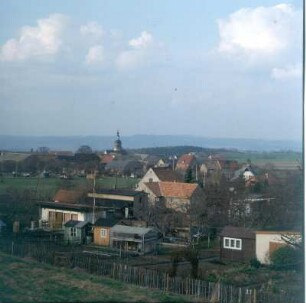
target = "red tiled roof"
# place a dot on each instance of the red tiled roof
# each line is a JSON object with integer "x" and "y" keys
{"x": 67, "y": 196}
{"x": 172, "y": 189}
{"x": 105, "y": 159}
{"x": 185, "y": 161}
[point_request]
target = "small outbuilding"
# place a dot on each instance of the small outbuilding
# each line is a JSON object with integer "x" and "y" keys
{"x": 101, "y": 230}
{"x": 76, "y": 232}
{"x": 237, "y": 244}
{"x": 140, "y": 240}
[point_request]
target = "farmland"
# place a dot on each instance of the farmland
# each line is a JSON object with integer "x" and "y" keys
{"x": 23, "y": 280}
{"x": 47, "y": 187}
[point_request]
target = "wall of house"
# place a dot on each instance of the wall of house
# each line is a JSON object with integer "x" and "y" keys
{"x": 150, "y": 198}
{"x": 65, "y": 214}
{"x": 98, "y": 239}
{"x": 266, "y": 243}
{"x": 150, "y": 176}
{"x": 177, "y": 204}
{"x": 245, "y": 254}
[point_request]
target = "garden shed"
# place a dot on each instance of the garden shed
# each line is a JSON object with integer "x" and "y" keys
{"x": 76, "y": 232}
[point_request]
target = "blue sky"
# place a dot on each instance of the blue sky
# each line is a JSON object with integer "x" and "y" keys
{"x": 229, "y": 69}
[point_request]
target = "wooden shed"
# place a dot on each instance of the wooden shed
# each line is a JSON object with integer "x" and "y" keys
{"x": 76, "y": 232}
{"x": 237, "y": 244}
{"x": 101, "y": 230}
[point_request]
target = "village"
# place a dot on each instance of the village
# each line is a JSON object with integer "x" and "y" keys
{"x": 185, "y": 215}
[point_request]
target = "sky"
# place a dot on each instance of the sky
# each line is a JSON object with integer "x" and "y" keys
{"x": 219, "y": 69}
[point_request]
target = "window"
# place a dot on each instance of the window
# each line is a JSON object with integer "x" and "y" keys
{"x": 73, "y": 232}
{"x": 232, "y": 243}
{"x": 67, "y": 217}
{"x": 103, "y": 233}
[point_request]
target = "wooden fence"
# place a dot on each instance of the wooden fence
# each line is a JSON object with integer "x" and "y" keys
{"x": 49, "y": 252}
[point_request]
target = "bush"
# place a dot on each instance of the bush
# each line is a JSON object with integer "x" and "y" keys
{"x": 286, "y": 258}
{"x": 255, "y": 263}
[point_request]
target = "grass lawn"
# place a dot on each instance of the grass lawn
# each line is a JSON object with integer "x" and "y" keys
{"x": 23, "y": 280}
{"x": 47, "y": 187}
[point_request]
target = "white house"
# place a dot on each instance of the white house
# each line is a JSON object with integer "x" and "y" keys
{"x": 158, "y": 174}
{"x": 269, "y": 241}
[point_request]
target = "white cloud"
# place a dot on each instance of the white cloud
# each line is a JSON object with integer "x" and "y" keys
{"x": 287, "y": 72}
{"x": 260, "y": 31}
{"x": 41, "y": 40}
{"x": 145, "y": 40}
{"x": 92, "y": 29}
{"x": 141, "y": 52}
{"x": 95, "y": 55}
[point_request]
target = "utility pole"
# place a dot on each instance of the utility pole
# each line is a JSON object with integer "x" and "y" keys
{"x": 94, "y": 199}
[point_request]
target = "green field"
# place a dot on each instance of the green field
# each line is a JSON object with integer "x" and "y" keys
{"x": 47, "y": 187}
{"x": 24, "y": 280}
{"x": 282, "y": 159}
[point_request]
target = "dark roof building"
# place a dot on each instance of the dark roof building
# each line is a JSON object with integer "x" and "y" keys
{"x": 237, "y": 244}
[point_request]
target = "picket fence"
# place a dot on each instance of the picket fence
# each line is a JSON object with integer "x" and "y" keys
{"x": 49, "y": 252}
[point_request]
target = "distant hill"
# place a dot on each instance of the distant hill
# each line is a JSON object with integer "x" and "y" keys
{"x": 100, "y": 143}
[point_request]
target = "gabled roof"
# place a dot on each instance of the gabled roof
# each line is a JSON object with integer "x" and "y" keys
{"x": 17, "y": 157}
{"x": 123, "y": 164}
{"x": 185, "y": 161}
{"x": 106, "y": 222}
{"x": 213, "y": 164}
{"x": 238, "y": 232}
{"x": 75, "y": 223}
{"x": 154, "y": 188}
{"x": 172, "y": 189}
{"x": 67, "y": 196}
{"x": 166, "y": 174}
{"x": 106, "y": 158}
{"x": 131, "y": 229}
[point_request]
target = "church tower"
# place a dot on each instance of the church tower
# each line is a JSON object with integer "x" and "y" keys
{"x": 117, "y": 144}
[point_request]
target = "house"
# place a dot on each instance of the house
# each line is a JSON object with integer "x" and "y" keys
{"x": 269, "y": 241}
{"x": 105, "y": 159}
{"x": 185, "y": 162}
{"x": 228, "y": 168}
{"x": 237, "y": 244}
{"x": 175, "y": 195}
{"x": 70, "y": 205}
{"x": 66, "y": 205}
{"x": 211, "y": 170}
{"x": 124, "y": 168}
{"x": 101, "y": 230}
{"x": 140, "y": 240}
{"x": 53, "y": 215}
{"x": 246, "y": 172}
{"x": 124, "y": 202}
{"x": 158, "y": 174}
{"x": 76, "y": 232}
